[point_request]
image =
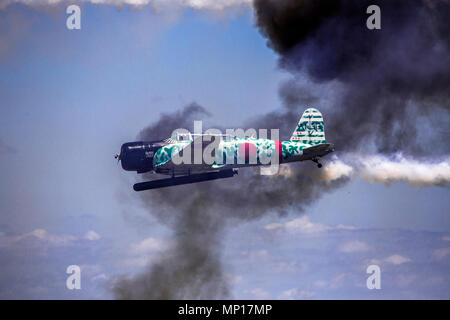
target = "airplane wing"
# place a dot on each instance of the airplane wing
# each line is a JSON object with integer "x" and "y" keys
{"x": 188, "y": 158}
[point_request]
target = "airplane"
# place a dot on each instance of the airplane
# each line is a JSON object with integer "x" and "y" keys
{"x": 231, "y": 153}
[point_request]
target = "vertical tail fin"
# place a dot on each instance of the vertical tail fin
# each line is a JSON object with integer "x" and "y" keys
{"x": 310, "y": 129}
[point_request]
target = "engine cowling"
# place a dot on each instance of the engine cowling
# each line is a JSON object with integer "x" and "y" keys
{"x": 138, "y": 156}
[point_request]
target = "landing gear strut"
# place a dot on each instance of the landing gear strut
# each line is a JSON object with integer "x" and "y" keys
{"x": 316, "y": 160}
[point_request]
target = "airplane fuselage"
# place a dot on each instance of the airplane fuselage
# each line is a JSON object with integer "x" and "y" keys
{"x": 157, "y": 156}
{"x": 194, "y": 158}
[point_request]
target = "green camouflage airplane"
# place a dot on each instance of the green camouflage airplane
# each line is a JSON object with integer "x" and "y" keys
{"x": 221, "y": 158}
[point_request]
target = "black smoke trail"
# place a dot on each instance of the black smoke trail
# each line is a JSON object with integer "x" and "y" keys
{"x": 198, "y": 215}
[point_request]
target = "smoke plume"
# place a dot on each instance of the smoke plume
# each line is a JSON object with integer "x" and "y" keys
{"x": 390, "y": 86}
{"x": 388, "y": 169}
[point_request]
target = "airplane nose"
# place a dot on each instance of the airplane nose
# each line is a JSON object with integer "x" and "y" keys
{"x": 134, "y": 156}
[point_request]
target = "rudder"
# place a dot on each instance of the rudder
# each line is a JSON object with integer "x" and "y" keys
{"x": 310, "y": 129}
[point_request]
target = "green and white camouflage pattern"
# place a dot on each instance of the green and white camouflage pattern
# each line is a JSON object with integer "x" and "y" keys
{"x": 310, "y": 129}
{"x": 308, "y": 133}
{"x": 164, "y": 154}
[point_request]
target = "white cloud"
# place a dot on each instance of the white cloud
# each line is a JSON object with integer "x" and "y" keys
{"x": 91, "y": 235}
{"x": 397, "y": 259}
{"x": 338, "y": 280}
{"x": 216, "y": 5}
{"x": 304, "y": 225}
{"x": 354, "y": 246}
{"x": 42, "y": 236}
{"x": 273, "y": 226}
{"x": 100, "y": 277}
{"x": 258, "y": 293}
{"x": 295, "y": 294}
{"x": 446, "y": 238}
{"x": 345, "y": 227}
{"x": 374, "y": 261}
{"x": 139, "y": 254}
{"x": 441, "y": 253}
{"x": 289, "y": 267}
{"x": 148, "y": 245}
{"x": 37, "y": 235}
{"x": 136, "y": 261}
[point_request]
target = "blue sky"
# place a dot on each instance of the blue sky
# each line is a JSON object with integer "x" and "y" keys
{"x": 70, "y": 98}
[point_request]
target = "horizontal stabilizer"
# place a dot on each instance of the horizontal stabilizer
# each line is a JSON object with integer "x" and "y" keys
{"x": 318, "y": 150}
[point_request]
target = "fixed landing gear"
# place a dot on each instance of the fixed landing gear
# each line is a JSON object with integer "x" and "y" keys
{"x": 316, "y": 160}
